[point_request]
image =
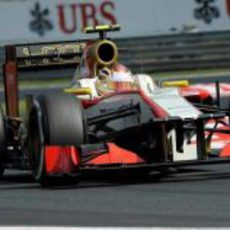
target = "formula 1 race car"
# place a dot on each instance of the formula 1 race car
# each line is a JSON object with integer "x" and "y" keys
{"x": 66, "y": 133}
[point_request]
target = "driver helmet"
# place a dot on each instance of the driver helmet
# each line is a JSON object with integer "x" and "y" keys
{"x": 104, "y": 74}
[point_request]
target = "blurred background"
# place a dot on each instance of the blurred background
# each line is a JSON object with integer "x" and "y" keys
{"x": 161, "y": 37}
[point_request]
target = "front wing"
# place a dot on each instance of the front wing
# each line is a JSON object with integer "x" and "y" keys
{"x": 107, "y": 155}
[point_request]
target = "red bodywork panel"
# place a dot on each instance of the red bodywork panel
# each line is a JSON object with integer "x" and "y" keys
{"x": 61, "y": 159}
{"x": 66, "y": 159}
{"x": 205, "y": 91}
{"x": 225, "y": 152}
{"x": 192, "y": 92}
{"x": 116, "y": 155}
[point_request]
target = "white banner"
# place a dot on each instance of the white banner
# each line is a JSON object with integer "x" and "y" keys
{"x": 42, "y": 20}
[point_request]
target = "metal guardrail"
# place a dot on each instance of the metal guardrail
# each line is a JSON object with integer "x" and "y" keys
{"x": 171, "y": 52}
{"x": 177, "y": 52}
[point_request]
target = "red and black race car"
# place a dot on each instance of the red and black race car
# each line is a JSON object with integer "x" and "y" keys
{"x": 66, "y": 133}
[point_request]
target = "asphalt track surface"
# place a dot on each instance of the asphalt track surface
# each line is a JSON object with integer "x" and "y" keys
{"x": 194, "y": 197}
{"x": 198, "y": 197}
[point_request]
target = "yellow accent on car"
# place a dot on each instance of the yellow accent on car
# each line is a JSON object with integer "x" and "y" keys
{"x": 102, "y": 27}
{"x": 91, "y": 29}
{"x": 79, "y": 91}
{"x": 180, "y": 83}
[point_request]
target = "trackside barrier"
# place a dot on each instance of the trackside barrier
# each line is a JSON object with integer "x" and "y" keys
{"x": 182, "y": 51}
{"x": 177, "y": 52}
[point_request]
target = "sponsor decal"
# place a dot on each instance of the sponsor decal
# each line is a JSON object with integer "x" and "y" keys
{"x": 40, "y": 22}
{"x": 206, "y": 11}
{"x": 71, "y": 17}
{"x": 90, "y": 15}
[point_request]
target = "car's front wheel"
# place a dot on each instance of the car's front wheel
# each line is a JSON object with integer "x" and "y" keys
{"x": 54, "y": 119}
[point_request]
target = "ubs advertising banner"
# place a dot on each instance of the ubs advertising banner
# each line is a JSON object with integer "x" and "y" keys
{"x": 43, "y": 20}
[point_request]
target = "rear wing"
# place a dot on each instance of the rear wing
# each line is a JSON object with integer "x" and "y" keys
{"x": 38, "y": 56}
{"x": 45, "y": 55}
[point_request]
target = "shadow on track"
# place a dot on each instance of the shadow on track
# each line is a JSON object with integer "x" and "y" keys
{"x": 25, "y": 180}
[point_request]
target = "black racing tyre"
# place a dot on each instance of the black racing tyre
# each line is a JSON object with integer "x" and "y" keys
{"x": 54, "y": 119}
{"x": 2, "y": 133}
{"x": 2, "y": 170}
{"x": 2, "y": 140}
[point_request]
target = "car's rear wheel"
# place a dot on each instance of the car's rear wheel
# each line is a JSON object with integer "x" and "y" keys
{"x": 54, "y": 119}
{"x": 2, "y": 140}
